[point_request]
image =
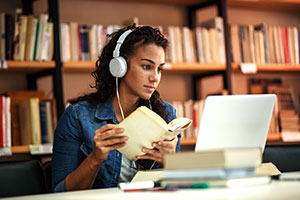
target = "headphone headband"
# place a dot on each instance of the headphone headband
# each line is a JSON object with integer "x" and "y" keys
{"x": 120, "y": 41}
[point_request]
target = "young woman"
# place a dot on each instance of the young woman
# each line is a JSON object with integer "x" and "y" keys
{"x": 84, "y": 152}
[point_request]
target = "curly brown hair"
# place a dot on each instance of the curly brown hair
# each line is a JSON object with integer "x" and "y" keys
{"x": 105, "y": 83}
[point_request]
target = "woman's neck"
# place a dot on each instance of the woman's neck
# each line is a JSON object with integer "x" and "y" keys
{"x": 128, "y": 106}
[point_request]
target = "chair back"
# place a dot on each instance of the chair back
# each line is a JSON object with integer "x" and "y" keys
{"x": 21, "y": 178}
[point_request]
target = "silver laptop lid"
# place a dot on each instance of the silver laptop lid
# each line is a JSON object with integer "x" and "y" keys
{"x": 235, "y": 121}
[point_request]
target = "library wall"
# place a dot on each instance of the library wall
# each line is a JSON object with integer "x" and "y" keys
{"x": 102, "y": 12}
{"x": 109, "y": 13}
{"x": 247, "y": 17}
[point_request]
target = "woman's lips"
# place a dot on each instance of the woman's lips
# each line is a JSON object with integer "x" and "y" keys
{"x": 149, "y": 88}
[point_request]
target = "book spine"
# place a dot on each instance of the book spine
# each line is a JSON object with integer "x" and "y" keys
{"x": 7, "y": 122}
{"x": 2, "y": 121}
{"x": 8, "y": 37}
{"x": 35, "y": 121}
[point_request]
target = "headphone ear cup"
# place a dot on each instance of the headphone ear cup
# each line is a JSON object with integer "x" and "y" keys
{"x": 118, "y": 67}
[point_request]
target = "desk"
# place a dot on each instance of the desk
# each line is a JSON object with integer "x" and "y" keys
{"x": 275, "y": 190}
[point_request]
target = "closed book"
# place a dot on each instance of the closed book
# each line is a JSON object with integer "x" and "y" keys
{"x": 220, "y": 182}
{"x": 17, "y": 27}
{"x": 23, "y": 32}
{"x": 207, "y": 173}
{"x": 28, "y": 36}
{"x": 2, "y": 36}
{"x": 46, "y": 121}
{"x": 7, "y": 122}
{"x": 227, "y": 158}
{"x": 74, "y": 42}
{"x": 8, "y": 37}
{"x": 2, "y": 121}
{"x": 235, "y": 43}
{"x": 46, "y": 41}
{"x": 31, "y": 35}
{"x": 29, "y": 117}
{"x": 65, "y": 42}
{"x": 43, "y": 19}
{"x": 84, "y": 42}
{"x": 143, "y": 127}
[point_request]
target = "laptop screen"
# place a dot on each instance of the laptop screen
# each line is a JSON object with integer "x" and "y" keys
{"x": 235, "y": 121}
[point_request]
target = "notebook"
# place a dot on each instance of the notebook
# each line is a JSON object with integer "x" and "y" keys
{"x": 235, "y": 121}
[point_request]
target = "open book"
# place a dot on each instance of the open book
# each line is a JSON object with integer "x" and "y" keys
{"x": 143, "y": 127}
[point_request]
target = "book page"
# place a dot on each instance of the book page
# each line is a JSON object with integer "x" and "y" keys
{"x": 148, "y": 175}
{"x": 267, "y": 169}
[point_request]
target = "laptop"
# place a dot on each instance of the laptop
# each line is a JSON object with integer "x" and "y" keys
{"x": 235, "y": 121}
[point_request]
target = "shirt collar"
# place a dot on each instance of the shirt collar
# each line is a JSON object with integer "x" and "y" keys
{"x": 105, "y": 111}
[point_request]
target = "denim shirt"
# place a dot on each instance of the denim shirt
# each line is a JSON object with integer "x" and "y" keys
{"x": 73, "y": 142}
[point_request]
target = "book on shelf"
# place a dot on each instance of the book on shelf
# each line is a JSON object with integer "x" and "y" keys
{"x": 16, "y": 97}
{"x": 2, "y": 38}
{"x": 2, "y": 121}
{"x": 226, "y": 158}
{"x": 47, "y": 121}
{"x": 29, "y": 117}
{"x": 143, "y": 127}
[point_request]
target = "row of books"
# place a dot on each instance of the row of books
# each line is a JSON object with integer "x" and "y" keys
{"x": 205, "y": 44}
{"x": 192, "y": 110}
{"x": 263, "y": 44}
{"x": 285, "y": 120}
{"x": 30, "y": 118}
{"x": 26, "y": 37}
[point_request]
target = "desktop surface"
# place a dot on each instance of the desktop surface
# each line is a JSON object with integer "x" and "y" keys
{"x": 275, "y": 190}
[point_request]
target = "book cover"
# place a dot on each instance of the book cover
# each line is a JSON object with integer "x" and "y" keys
{"x": 2, "y": 121}
{"x": 7, "y": 122}
{"x": 143, "y": 127}
{"x": 227, "y": 158}
{"x": 23, "y": 30}
{"x": 32, "y": 38}
{"x": 29, "y": 118}
{"x": 2, "y": 36}
{"x": 8, "y": 37}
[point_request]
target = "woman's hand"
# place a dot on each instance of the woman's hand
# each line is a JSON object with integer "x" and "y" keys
{"x": 106, "y": 139}
{"x": 160, "y": 148}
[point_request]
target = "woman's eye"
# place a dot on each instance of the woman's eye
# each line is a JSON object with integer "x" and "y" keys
{"x": 160, "y": 69}
{"x": 146, "y": 67}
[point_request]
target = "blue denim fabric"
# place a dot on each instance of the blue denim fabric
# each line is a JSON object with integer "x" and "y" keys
{"x": 73, "y": 141}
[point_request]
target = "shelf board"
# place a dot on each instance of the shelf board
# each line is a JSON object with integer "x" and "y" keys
{"x": 188, "y": 141}
{"x": 27, "y": 66}
{"x": 271, "y": 67}
{"x": 170, "y": 2}
{"x": 20, "y": 149}
{"x": 282, "y": 5}
{"x": 169, "y": 67}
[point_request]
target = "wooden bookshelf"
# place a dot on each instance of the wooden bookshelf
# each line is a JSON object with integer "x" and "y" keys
{"x": 188, "y": 141}
{"x": 271, "y": 68}
{"x": 27, "y": 66}
{"x": 282, "y": 5}
{"x": 20, "y": 149}
{"x": 169, "y": 67}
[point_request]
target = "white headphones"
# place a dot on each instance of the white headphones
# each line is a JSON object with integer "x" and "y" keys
{"x": 118, "y": 65}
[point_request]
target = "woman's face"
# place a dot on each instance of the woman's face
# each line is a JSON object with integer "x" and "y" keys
{"x": 144, "y": 72}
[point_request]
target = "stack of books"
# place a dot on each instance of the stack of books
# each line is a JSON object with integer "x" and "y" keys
{"x": 217, "y": 168}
